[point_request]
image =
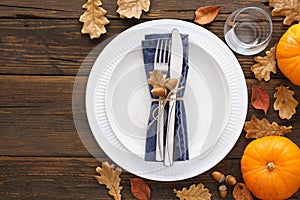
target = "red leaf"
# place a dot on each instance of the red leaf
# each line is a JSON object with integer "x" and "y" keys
{"x": 260, "y": 98}
{"x": 140, "y": 189}
{"x": 206, "y": 14}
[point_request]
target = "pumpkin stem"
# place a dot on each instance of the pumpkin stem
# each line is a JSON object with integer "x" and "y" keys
{"x": 270, "y": 166}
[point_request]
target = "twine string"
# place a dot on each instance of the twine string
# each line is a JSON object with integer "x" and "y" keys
{"x": 155, "y": 114}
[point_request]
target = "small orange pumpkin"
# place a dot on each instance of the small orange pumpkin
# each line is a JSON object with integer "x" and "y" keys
{"x": 288, "y": 54}
{"x": 271, "y": 167}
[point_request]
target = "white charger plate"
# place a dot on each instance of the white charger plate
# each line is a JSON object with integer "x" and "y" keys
{"x": 118, "y": 101}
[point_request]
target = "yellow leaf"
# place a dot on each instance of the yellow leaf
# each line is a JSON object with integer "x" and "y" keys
{"x": 110, "y": 177}
{"x": 265, "y": 65}
{"x": 195, "y": 192}
{"x": 288, "y": 8}
{"x": 256, "y": 128}
{"x": 93, "y": 19}
{"x": 132, "y": 8}
{"x": 285, "y": 102}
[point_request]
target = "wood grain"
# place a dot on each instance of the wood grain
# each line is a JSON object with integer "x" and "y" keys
{"x": 42, "y": 156}
{"x": 36, "y": 116}
{"x": 56, "y": 47}
{"x": 70, "y": 10}
{"x": 73, "y": 178}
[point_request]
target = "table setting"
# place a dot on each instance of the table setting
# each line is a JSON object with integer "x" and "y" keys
{"x": 154, "y": 104}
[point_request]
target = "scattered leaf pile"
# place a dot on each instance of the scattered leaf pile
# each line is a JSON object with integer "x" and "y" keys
{"x": 194, "y": 192}
{"x": 265, "y": 65}
{"x": 206, "y": 14}
{"x": 110, "y": 177}
{"x": 93, "y": 19}
{"x": 288, "y": 8}
{"x": 256, "y": 128}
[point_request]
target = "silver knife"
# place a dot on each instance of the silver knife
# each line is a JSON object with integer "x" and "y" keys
{"x": 175, "y": 72}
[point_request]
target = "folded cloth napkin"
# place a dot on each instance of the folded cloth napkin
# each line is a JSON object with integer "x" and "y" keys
{"x": 181, "y": 151}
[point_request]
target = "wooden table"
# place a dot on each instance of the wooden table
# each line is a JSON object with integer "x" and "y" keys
{"x": 41, "y": 50}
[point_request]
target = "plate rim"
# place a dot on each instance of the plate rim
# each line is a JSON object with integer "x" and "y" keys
{"x": 179, "y": 24}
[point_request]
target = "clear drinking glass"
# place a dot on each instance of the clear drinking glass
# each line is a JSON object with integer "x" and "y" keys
{"x": 248, "y": 31}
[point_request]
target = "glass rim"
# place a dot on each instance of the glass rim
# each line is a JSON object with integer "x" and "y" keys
{"x": 260, "y": 10}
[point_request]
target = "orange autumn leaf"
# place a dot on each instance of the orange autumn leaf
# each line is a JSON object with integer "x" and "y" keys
{"x": 206, "y": 14}
{"x": 260, "y": 98}
{"x": 140, "y": 189}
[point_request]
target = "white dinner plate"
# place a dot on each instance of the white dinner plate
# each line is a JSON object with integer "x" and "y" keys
{"x": 118, "y": 101}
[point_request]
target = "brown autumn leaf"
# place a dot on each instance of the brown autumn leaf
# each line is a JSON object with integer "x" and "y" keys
{"x": 256, "y": 128}
{"x": 159, "y": 83}
{"x": 285, "y": 103}
{"x": 156, "y": 78}
{"x": 132, "y": 8}
{"x": 140, "y": 189}
{"x": 241, "y": 192}
{"x": 194, "y": 192}
{"x": 206, "y": 14}
{"x": 265, "y": 65}
{"x": 288, "y": 8}
{"x": 93, "y": 19}
{"x": 260, "y": 98}
{"x": 110, "y": 177}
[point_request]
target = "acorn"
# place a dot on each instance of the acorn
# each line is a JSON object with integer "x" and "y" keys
{"x": 218, "y": 176}
{"x": 159, "y": 91}
{"x": 223, "y": 191}
{"x": 230, "y": 180}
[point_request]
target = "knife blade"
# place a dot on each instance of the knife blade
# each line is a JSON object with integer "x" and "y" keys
{"x": 176, "y": 62}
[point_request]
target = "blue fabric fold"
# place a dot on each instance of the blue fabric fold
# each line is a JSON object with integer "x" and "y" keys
{"x": 181, "y": 151}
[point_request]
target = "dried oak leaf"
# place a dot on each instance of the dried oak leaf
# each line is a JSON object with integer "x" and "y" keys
{"x": 140, "y": 189}
{"x": 110, "y": 177}
{"x": 93, "y": 19}
{"x": 256, "y": 128}
{"x": 206, "y": 14}
{"x": 241, "y": 192}
{"x": 288, "y": 8}
{"x": 132, "y": 8}
{"x": 260, "y": 98}
{"x": 159, "y": 83}
{"x": 156, "y": 78}
{"x": 193, "y": 193}
{"x": 285, "y": 102}
{"x": 265, "y": 65}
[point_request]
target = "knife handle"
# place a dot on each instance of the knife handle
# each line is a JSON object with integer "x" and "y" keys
{"x": 160, "y": 133}
{"x": 168, "y": 158}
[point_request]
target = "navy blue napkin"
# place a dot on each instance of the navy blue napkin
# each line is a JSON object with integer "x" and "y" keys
{"x": 181, "y": 151}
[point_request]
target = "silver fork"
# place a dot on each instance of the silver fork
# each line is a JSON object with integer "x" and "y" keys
{"x": 161, "y": 62}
